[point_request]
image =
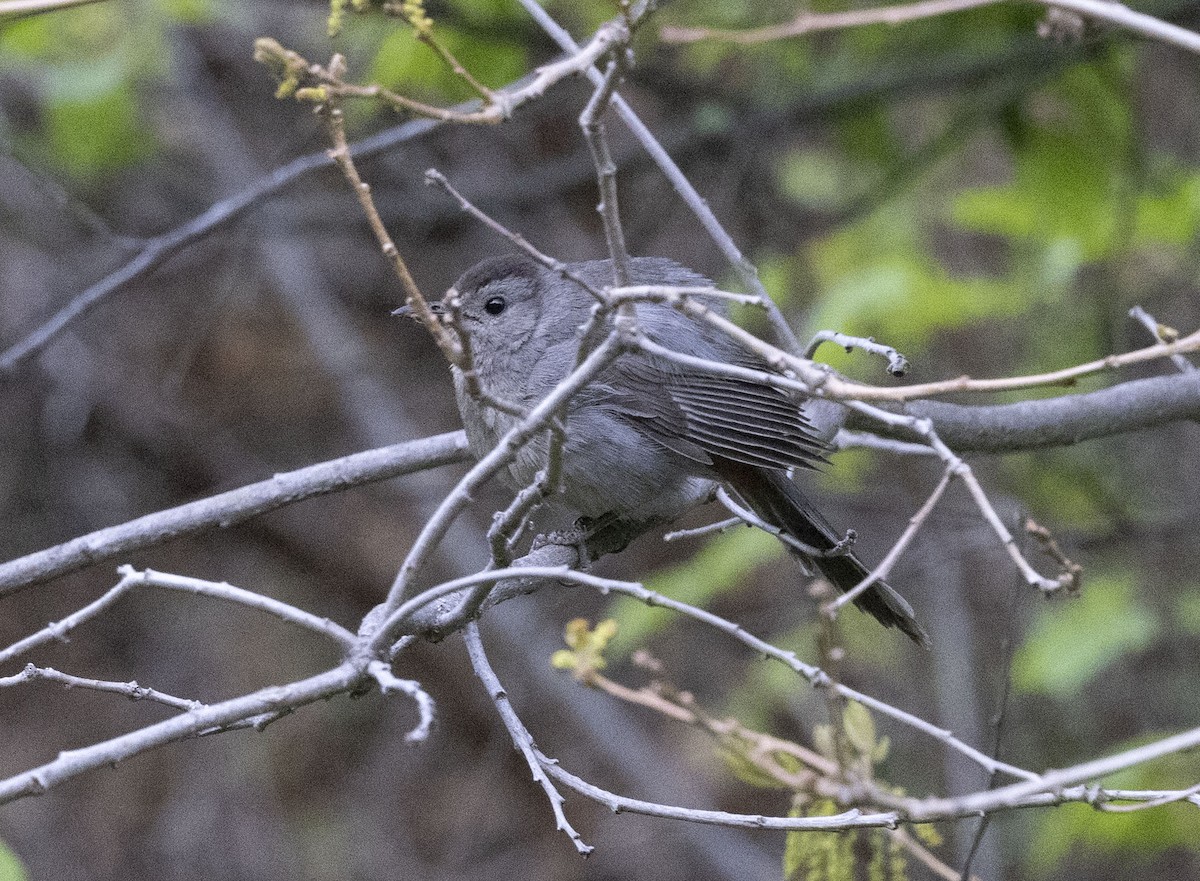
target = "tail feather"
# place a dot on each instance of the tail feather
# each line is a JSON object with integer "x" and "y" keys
{"x": 779, "y": 501}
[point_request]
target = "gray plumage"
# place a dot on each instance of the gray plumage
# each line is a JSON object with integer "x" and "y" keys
{"x": 646, "y": 439}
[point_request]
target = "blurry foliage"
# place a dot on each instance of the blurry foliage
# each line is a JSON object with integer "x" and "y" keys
{"x": 10, "y": 867}
{"x": 405, "y": 64}
{"x": 1073, "y": 641}
{"x": 1187, "y": 610}
{"x": 1073, "y": 491}
{"x": 88, "y": 67}
{"x": 719, "y": 567}
{"x": 1130, "y": 837}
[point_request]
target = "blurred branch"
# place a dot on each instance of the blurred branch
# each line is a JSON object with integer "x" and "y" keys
{"x": 810, "y": 22}
{"x": 155, "y": 251}
{"x": 235, "y": 506}
{"x": 11, "y": 10}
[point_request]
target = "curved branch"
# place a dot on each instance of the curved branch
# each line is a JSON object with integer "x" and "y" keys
{"x": 1066, "y": 419}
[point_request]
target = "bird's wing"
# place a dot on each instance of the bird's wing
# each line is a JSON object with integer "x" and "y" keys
{"x": 702, "y": 415}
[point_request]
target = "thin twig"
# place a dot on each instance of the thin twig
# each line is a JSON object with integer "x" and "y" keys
{"x": 811, "y": 22}
{"x": 70, "y": 764}
{"x": 132, "y": 578}
{"x": 842, "y": 389}
{"x": 694, "y": 201}
{"x": 131, "y": 690}
{"x": 1163, "y": 334}
{"x": 591, "y": 120}
{"x": 700, "y": 531}
{"x": 897, "y": 363}
{"x": 388, "y": 682}
{"x": 881, "y": 572}
{"x": 324, "y": 83}
{"x": 436, "y": 178}
{"x": 848, "y": 439}
{"x": 521, "y": 737}
{"x": 744, "y": 514}
{"x": 446, "y": 340}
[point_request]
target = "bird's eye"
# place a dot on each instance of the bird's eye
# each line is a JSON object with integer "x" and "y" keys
{"x": 494, "y": 306}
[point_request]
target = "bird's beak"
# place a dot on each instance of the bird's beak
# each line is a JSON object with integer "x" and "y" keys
{"x": 406, "y": 311}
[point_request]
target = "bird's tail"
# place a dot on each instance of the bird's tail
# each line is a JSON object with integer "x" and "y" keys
{"x": 779, "y": 501}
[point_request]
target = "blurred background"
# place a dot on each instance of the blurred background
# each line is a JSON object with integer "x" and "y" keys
{"x": 985, "y": 200}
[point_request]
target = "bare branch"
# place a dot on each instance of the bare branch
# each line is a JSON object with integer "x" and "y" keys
{"x": 155, "y": 251}
{"x": 131, "y": 690}
{"x": 233, "y": 507}
{"x": 842, "y": 389}
{"x": 880, "y": 572}
{"x": 131, "y": 578}
{"x": 1054, "y": 783}
{"x": 1068, "y": 419}
{"x": 897, "y": 363}
{"x": 521, "y": 737}
{"x": 591, "y": 120}
{"x": 323, "y": 83}
{"x": 678, "y": 180}
{"x": 72, "y": 763}
{"x": 388, "y": 682}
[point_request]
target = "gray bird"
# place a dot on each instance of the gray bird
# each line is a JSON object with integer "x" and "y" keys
{"x": 646, "y": 439}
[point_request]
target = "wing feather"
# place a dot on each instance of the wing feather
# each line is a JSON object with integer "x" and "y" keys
{"x": 702, "y": 415}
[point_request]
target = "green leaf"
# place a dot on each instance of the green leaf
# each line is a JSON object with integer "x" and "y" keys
{"x": 859, "y": 726}
{"x": 1171, "y": 215}
{"x": 407, "y": 65}
{"x": 1073, "y": 641}
{"x": 11, "y": 868}
{"x": 96, "y": 135}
